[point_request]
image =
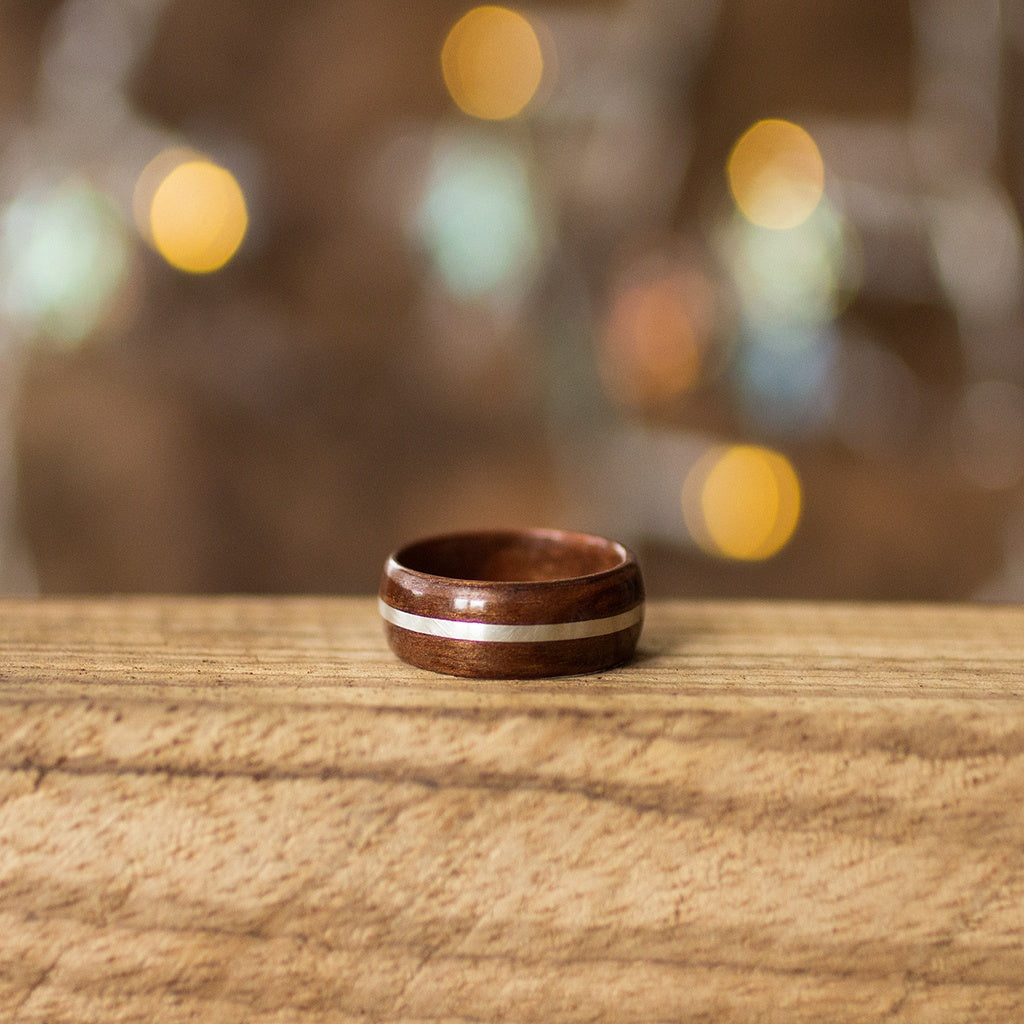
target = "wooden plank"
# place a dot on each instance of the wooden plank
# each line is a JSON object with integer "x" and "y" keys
{"x": 245, "y": 809}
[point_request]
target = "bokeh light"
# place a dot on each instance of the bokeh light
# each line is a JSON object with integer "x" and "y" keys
{"x": 790, "y": 287}
{"x": 742, "y": 502}
{"x": 800, "y": 276}
{"x": 776, "y": 174}
{"x": 150, "y": 178}
{"x": 197, "y": 211}
{"x": 477, "y": 219}
{"x": 492, "y": 62}
{"x": 656, "y": 338}
{"x": 64, "y": 255}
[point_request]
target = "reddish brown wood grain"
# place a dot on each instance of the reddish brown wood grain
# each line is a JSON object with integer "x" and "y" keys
{"x": 505, "y": 581}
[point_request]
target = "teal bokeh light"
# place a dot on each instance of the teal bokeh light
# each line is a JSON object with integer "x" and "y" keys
{"x": 63, "y": 254}
{"x": 477, "y": 219}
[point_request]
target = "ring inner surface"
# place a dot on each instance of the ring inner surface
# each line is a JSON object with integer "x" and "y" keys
{"x": 512, "y": 557}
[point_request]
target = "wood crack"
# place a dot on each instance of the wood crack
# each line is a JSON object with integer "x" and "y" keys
{"x": 36, "y": 986}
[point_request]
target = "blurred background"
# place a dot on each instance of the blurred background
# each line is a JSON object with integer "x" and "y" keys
{"x": 283, "y": 285}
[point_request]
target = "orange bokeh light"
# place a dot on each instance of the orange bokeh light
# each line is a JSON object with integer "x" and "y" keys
{"x": 191, "y": 210}
{"x": 742, "y": 502}
{"x": 656, "y": 338}
{"x": 492, "y": 62}
{"x": 776, "y": 174}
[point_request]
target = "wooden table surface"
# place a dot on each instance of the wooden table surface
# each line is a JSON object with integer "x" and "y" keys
{"x": 245, "y": 810}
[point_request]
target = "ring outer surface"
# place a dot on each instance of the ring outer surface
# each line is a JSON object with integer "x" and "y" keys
{"x": 609, "y": 602}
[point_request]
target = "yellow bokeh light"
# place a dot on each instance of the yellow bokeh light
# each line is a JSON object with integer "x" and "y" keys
{"x": 742, "y": 502}
{"x": 197, "y": 213}
{"x": 492, "y": 63}
{"x": 776, "y": 174}
{"x": 150, "y": 179}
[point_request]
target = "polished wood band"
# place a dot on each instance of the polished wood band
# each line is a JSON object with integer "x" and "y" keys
{"x": 513, "y": 603}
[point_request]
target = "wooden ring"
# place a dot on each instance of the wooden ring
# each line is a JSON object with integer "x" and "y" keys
{"x": 513, "y": 603}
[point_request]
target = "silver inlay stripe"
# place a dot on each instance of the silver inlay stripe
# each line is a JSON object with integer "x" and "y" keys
{"x": 496, "y": 632}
